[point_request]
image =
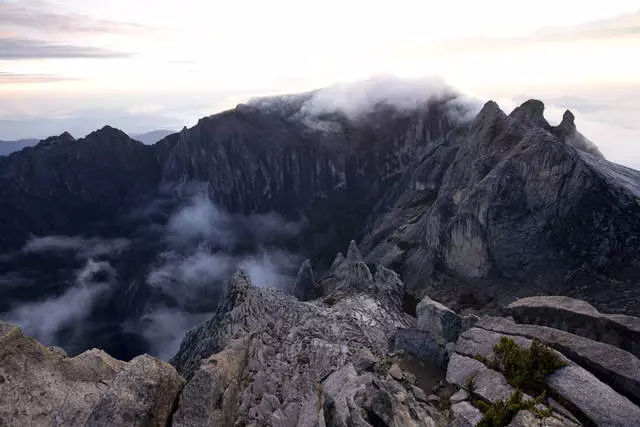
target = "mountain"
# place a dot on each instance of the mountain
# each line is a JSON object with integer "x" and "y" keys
{"x": 8, "y": 147}
{"x": 349, "y": 357}
{"x": 151, "y": 137}
{"x": 471, "y": 209}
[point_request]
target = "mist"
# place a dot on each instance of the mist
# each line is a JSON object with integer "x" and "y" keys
{"x": 83, "y": 247}
{"x": 355, "y": 99}
{"x": 44, "y": 319}
{"x": 204, "y": 246}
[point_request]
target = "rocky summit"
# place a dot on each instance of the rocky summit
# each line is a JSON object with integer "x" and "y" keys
{"x": 437, "y": 265}
{"x": 267, "y": 358}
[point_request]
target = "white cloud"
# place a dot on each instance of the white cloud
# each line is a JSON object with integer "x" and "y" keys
{"x": 45, "y": 318}
{"x": 84, "y": 247}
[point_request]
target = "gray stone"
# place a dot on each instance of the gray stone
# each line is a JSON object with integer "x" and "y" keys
{"x": 303, "y": 286}
{"x": 433, "y": 399}
{"x": 465, "y": 415}
{"x": 442, "y": 323}
{"x": 396, "y": 372}
{"x": 487, "y": 383}
{"x": 617, "y": 367}
{"x": 459, "y": 396}
{"x": 480, "y": 342}
{"x": 302, "y": 353}
{"x": 365, "y": 360}
{"x": 143, "y": 393}
{"x": 595, "y": 400}
{"x": 43, "y": 387}
{"x": 528, "y": 419}
{"x": 419, "y": 393}
{"x": 422, "y": 345}
{"x": 579, "y": 318}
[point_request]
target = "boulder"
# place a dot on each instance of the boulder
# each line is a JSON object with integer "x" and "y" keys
{"x": 592, "y": 399}
{"x": 528, "y": 419}
{"x": 365, "y": 360}
{"x": 212, "y": 392}
{"x": 459, "y": 396}
{"x": 442, "y": 323}
{"x": 579, "y": 318}
{"x": 465, "y": 415}
{"x": 42, "y": 387}
{"x": 486, "y": 383}
{"x": 144, "y": 393}
{"x": 618, "y": 368}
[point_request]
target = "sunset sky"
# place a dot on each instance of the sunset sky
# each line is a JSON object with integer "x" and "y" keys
{"x": 157, "y": 64}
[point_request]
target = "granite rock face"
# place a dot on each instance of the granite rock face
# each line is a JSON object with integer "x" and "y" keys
{"x": 509, "y": 207}
{"x": 41, "y": 387}
{"x": 609, "y": 363}
{"x": 495, "y": 207}
{"x": 267, "y": 358}
{"x": 598, "y": 385}
{"x": 580, "y": 318}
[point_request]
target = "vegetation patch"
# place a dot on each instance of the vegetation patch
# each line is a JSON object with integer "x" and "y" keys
{"x": 501, "y": 413}
{"x": 525, "y": 369}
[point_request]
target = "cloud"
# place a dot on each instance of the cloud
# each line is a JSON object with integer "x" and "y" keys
{"x": 35, "y": 16}
{"x": 627, "y": 25}
{"x": 360, "y": 98}
{"x": 20, "y": 48}
{"x": 18, "y": 78}
{"x": 201, "y": 221}
{"x": 205, "y": 246}
{"x": 44, "y": 319}
{"x": 93, "y": 247}
{"x": 164, "y": 329}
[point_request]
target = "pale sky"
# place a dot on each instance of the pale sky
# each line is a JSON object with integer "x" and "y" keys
{"x": 150, "y": 64}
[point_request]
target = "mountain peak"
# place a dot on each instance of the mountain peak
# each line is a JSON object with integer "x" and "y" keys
{"x": 63, "y": 138}
{"x": 568, "y": 120}
{"x": 531, "y": 113}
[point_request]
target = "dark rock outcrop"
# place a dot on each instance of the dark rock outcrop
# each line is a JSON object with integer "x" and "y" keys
{"x": 580, "y": 318}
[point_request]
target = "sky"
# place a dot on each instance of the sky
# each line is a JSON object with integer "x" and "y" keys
{"x": 157, "y": 64}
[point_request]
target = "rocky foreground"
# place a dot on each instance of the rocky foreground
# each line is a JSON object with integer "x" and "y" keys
{"x": 343, "y": 353}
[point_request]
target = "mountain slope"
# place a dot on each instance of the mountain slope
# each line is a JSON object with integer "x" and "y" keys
{"x": 8, "y": 147}
{"x": 473, "y": 212}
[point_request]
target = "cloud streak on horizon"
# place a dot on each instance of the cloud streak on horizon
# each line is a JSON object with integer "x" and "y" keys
{"x": 20, "y": 48}
{"x": 37, "y": 17}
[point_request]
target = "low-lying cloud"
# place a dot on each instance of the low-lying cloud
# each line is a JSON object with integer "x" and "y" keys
{"x": 205, "y": 245}
{"x": 92, "y": 247}
{"x": 360, "y": 98}
{"x": 44, "y": 319}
